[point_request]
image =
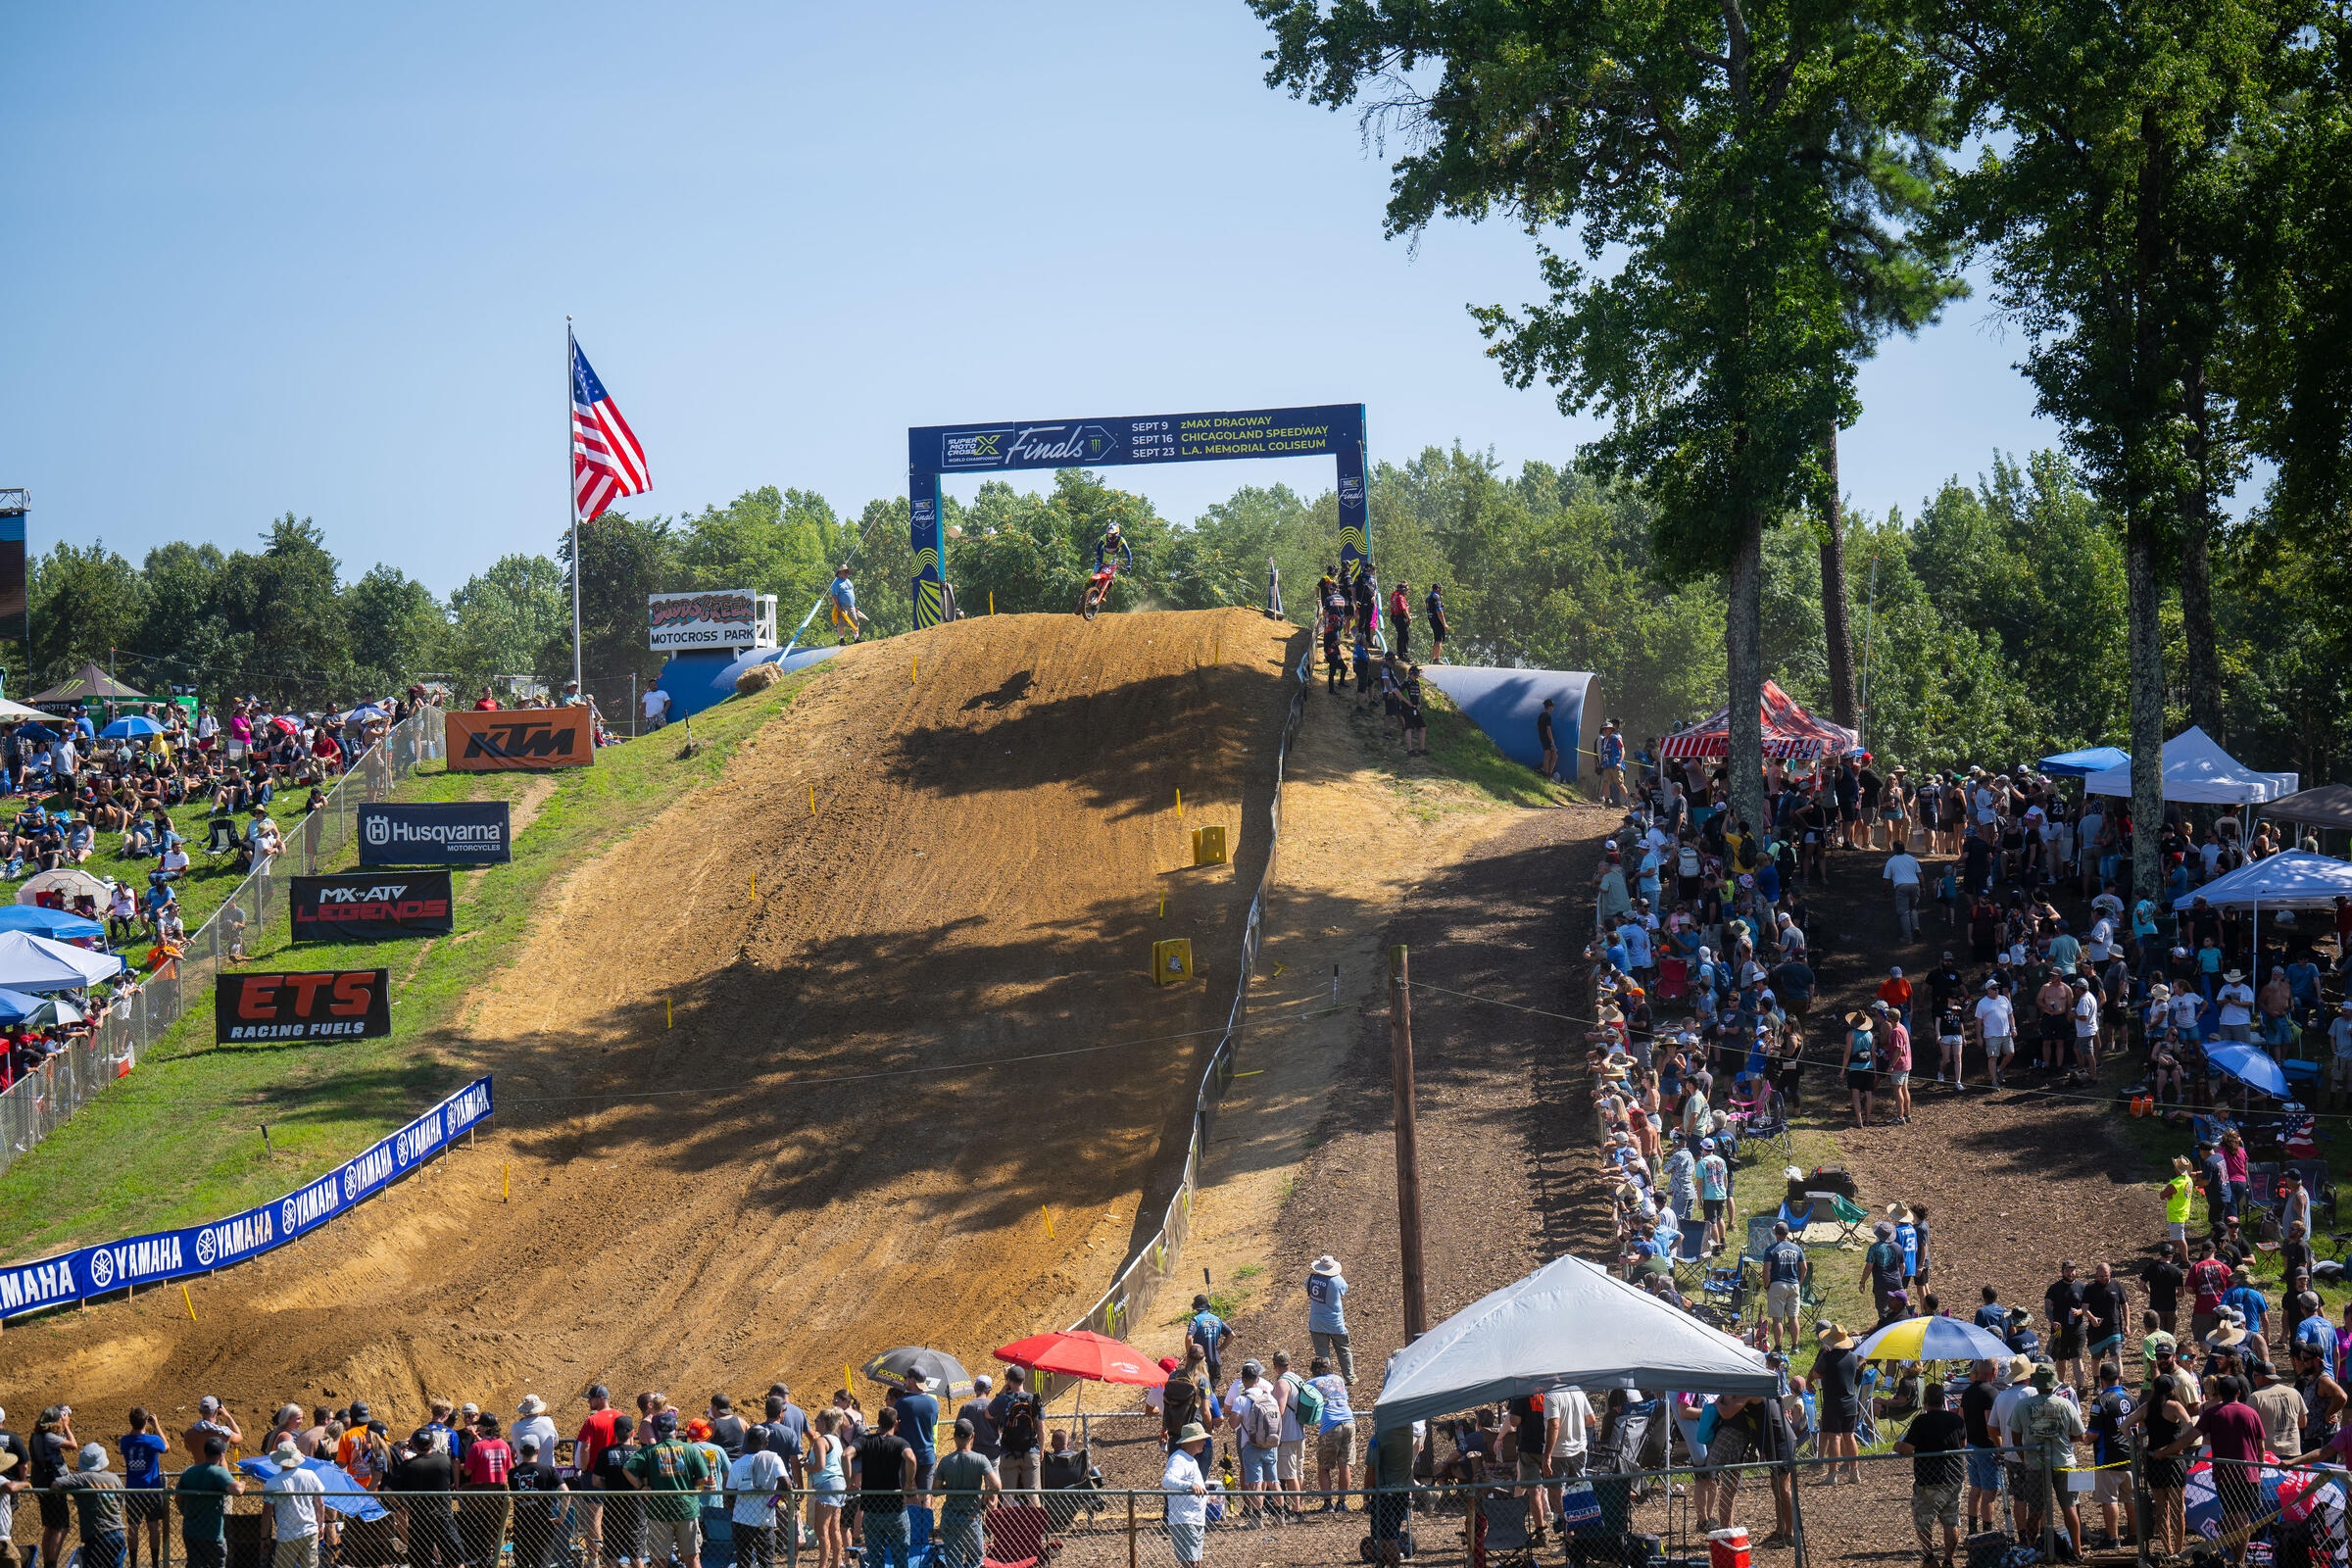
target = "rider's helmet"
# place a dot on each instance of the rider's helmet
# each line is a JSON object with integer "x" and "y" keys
{"x": 1112, "y": 532}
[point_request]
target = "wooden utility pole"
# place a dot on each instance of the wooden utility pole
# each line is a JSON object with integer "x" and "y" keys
{"x": 1409, "y": 1155}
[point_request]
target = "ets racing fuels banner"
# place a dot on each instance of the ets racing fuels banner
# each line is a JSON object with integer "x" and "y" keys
{"x": 723, "y": 617}
{"x": 371, "y": 905}
{"x": 151, "y": 1259}
{"x": 316, "y": 1004}
{"x": 520, "y": 740}
{"x": 448, "y": 833}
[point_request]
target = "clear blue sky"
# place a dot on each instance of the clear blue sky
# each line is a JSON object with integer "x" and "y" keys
{"x": 317, "y": 259}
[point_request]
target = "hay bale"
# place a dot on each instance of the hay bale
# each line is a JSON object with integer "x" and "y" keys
{"x": 758, "y": 679}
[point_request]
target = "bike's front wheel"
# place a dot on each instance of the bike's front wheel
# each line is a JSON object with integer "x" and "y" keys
{"x": 1089, "y": 601}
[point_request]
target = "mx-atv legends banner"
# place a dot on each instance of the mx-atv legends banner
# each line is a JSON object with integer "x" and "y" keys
{"x": 318, "y": 1005}
{"x": 372, "y": 905}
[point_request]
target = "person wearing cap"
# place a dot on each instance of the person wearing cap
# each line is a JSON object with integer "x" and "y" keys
{"x": 2044, "y": 1427}
{"x": 751, "y": 1484}
{"x": 1883, "y": 1271}
{"x": 535, "y": 1483}
{"x": 1188, "y": 1493}
{"x": 1253, "y": 1413}
{"x": 293, "y": 1494}
{"x": 1996, "y": 1028}
{"x": 1934, "y": 1440}
{"x": 594, "y": 1436}
{"x": 422, "y": 1479}
{"x": 1983, "y": 1447}
{"x": 984, "y": 1427}
{"x": 671, "y": 1470}
{"x": 484, "y": 1467}
{"x": 1714, "y": 1192}
{"x": 967, "y": 1482}
{"x": 203, "y": 1491}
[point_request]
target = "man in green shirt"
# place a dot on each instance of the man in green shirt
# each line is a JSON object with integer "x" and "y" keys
{"x": 672, "y": 1472}
{"x": 203, "y": 1493}
{"x": 968, "y": 1481}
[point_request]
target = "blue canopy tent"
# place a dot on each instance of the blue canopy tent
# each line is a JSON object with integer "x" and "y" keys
{"x": 2084, "y": 764}
{"x": 18, "y": 1005}
{"x": 55, "y": 924}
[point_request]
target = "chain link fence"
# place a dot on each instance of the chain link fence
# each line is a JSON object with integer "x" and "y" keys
{"x": 1116, "y": 1312}
{"x": 1892, "y": 1508}
{"x": 49, "y": 1095}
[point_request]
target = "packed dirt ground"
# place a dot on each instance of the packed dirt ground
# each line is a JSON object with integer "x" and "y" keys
{"x": 751, "y": 1137}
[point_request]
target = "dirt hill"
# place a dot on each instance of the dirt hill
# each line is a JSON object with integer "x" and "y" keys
{"x": 931, "y": 1027}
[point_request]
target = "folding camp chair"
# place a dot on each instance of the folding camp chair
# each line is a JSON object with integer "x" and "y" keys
{"x": 1016, "y": 1537}
{"x": 1832, "y": 1208}
{"x": 1674, "y": 979}
{"x": 1690, "y": 1251}
{"x": 1500, "y": 1533}
{"x": 1759, "y": 1235}
{"x": 1769, "y": 1126}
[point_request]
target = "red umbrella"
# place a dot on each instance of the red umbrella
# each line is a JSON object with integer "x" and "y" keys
{"x": 1084, "y": 1353}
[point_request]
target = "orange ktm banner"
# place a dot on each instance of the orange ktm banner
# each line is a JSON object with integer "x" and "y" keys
{"x": 527, "y": 739}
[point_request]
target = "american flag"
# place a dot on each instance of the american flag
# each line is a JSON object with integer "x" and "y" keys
{"x": 606, "y": 464}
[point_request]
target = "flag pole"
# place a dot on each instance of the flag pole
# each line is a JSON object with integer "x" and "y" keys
{"x": 571, "y": 359}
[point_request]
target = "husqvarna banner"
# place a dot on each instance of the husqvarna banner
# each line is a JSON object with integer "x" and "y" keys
{"x": 520, "y": 738}
{"x": 372, "y": 907}
{"x": 151, "y": 1259}
{"x": 435, "y": 833}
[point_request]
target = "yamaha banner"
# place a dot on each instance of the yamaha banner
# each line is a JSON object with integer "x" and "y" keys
{"x": 165, "y": 1256}
{"x": 446, "y": 833}
{"x": 371, "y": 905}
{"x": 318, "y": 1004}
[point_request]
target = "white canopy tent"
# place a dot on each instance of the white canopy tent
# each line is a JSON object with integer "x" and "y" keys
{"x": 1570, "y": 1322}
{"x": 2197, "y": 772}
{"x": 2294, "y": 879}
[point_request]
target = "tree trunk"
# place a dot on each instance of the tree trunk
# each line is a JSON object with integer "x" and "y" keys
{"x": 2202, "y": 663}
{"x": 1743, "y": 665}
{"x": 2146, "y": 639}
{"x": 1837, "y": 624}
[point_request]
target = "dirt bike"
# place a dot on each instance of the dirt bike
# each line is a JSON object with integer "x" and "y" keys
{"x": 1098, "y": 589}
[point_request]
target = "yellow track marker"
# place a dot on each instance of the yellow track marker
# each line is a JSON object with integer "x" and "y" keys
{"x": 811, "y": 800}
{"x": 190, "y": 1303}
{"x": 668, "y": 1016}
{"x": 1180, "y": 802}
{"x": 1049, "y": 1213}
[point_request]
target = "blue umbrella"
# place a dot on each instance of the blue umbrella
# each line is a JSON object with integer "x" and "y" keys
{"x": 1934, "y": 1339}
{"x": 17, "y": 1005}
{"x": 344, "y": 1493}
{"x": 131, "y": 727}
{"x": 2251, "y": 1066}
{"x": 55, "y": 924}
{"x": 37, "y": 732}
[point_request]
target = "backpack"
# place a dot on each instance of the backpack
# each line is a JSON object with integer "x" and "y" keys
{"x": 1310, "y": 1401}
{"x": 1686, "y": 864}
{"x": 1017, "y": 1432}
{"x": 1261, "y": 1419}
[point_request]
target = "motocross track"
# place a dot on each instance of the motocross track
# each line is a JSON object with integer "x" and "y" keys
{"x": 829, "y": 1152}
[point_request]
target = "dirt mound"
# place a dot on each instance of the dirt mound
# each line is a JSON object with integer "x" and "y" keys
{"x": 780, "y": 1089}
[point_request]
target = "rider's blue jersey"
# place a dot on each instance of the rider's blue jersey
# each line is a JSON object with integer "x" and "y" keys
{"x": 1103, "y": 544}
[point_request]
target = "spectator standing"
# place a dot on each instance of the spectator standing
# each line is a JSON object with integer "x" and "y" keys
{"x": 1934, "y": 1442}
{"x": 1902, "y": 874}
{"x": 966, "y": 1481}
{"x": 1612, "y": 761}
{"x": 2231, "y": 1430}
{"x": 97, "y": 1497}
{"x": 486, "y": 1465}
{"x": 1983, "y": 1456}
{"x": 1326, "y": 1315}
{"x": 1435, "y": 605}
{"x": 1188, "y": 1495}
{"x": 1020, "y": 1430}
{"x": 883, "y": 1472}
{"x": 535, "y": 1483}
{"x": 828, "y": 1487}
{"x": 984, "y": 1425}
{"x": 53, "y": 1453}
{"x": 2043, "y": 1428}
{"x": 1838, "y": 1397}
{"x": 145, "y": 1502}
{"x": 204, "y": 1490}
{"x": 1549, "y": 767}
{"x": 1997, "y": 1026}
{"x": 671, "y": 1472}
{"x": 754, "y": 1476}
{"x": 1335, "y": 1433}
{"x": 1256, "y": 1416}
{"x": 1401, "y": 620}
{"x": 1209, "y": 1331}
{"x": 424, "y": 1479}
{"x": 293, "y": 1496}
{"x": 918, "y": 1420}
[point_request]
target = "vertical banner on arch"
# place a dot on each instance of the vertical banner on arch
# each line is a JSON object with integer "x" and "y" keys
{"x": 1333, "y": 429}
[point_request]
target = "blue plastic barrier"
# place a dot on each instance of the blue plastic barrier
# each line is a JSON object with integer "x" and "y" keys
{"x": 696, "y": 681}
{"x": 1505, "y": 703}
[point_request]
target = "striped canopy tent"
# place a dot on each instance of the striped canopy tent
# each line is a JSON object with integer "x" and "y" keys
{"x": 89, "y": 682}
{"x": 1788, "y": 732}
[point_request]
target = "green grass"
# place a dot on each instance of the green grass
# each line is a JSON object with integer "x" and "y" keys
{"x": 1459, "y": 751}
{"x": 180, "y": 1139}
{"x": 207, "y": 883}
